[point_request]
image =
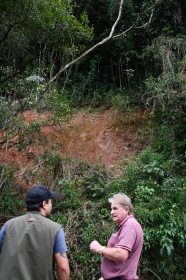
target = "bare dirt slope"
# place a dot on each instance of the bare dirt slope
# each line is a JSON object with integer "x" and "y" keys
{"x": 105, "y": 137}
{"x": 97, "y": 138}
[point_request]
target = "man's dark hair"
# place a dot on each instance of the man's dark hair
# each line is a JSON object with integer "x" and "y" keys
{"x": 36, "y": 207}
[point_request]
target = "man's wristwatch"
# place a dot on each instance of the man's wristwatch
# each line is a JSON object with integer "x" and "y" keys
{"x": 101, "y": 250}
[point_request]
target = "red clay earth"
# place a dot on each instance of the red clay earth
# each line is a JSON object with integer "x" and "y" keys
{"x": 107, "y": 137}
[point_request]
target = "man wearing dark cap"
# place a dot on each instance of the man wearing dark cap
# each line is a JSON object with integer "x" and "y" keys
{"x": 31, "y": 244}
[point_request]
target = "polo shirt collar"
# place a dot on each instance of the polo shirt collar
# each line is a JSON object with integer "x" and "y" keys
{"x": 124, "y": 221}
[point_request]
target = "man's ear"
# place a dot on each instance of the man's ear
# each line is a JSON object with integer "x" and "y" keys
{"x": 127, "y": 209}
{"x": 44, "y": 204}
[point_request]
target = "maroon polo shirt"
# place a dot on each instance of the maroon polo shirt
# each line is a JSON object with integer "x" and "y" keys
{"x": 130, "y": 237}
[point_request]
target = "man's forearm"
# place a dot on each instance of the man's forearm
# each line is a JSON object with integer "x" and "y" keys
{"x": 114, "y": 254}
{"x": 63, "y": 274}
{"x": 63, "y": 270}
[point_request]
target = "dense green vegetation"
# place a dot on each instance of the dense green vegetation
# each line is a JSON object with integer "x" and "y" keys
{"x": 157, "y": 187}
{"x": 144, "y": 69}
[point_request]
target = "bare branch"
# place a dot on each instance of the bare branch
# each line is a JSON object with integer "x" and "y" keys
{"x": 152, "y": 272}
{"x": 134, "y": 25}
{"x": 147, "y": 23}
{"x": 117, "y": 20}
{"x": 92, "y": 48}
{"x": 124, "y": 32}
{"x": 26, "y": 169}
{"x": 111, "y": 36}
{"x": 3, "y": 144}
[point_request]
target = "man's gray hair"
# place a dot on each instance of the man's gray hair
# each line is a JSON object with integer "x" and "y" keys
{"x": 123, "y": 200}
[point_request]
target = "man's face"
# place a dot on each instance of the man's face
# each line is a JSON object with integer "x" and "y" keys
{"x": 118, "y": 213}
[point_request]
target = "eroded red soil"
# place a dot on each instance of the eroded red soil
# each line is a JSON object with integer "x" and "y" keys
{"x": 106, "y": 137}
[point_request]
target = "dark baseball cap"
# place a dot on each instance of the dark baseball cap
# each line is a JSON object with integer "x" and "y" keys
{"x": 38, "y": 194}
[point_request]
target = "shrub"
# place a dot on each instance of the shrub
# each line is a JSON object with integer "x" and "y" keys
{"x": 157, "y": 186}
{"x": 10, "y": 201}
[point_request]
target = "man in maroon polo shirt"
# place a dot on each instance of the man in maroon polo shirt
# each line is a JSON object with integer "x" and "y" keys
{"x": 122, "y": 253}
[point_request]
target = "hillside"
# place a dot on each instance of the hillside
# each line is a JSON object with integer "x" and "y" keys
{"x": 107, "y": 137}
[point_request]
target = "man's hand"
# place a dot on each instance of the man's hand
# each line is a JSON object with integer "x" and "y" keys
{"x": 95, "y": 246}
{"x": 114, "y": 254}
